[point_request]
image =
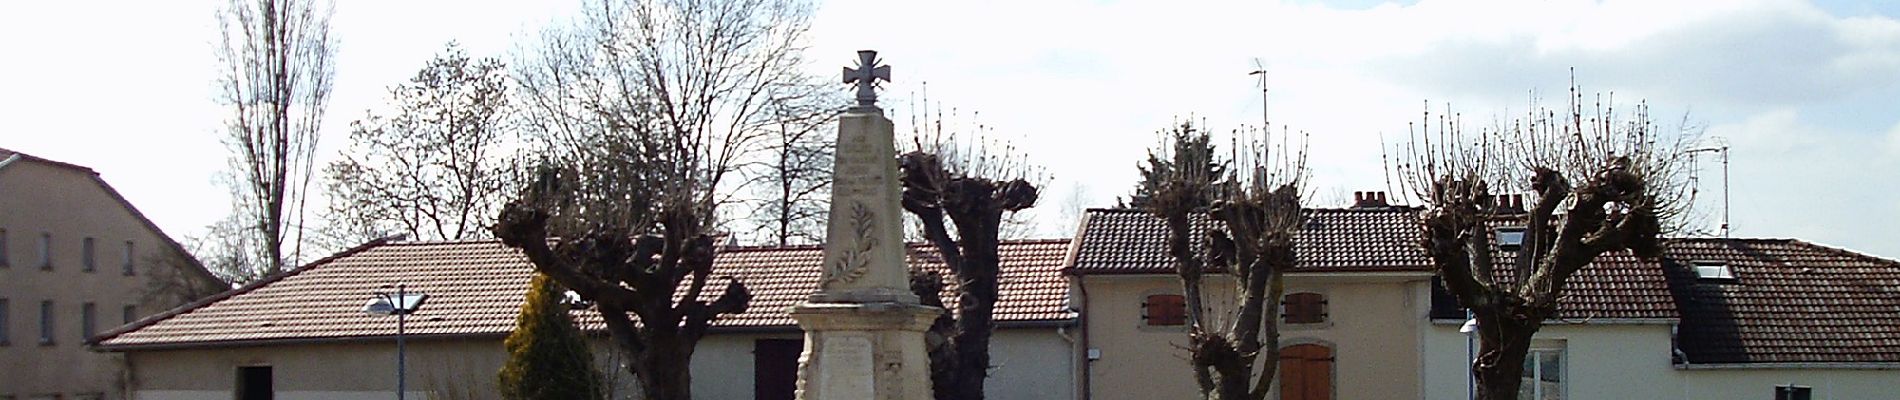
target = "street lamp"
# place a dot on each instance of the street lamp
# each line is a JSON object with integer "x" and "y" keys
{"x": 401, "y": 303}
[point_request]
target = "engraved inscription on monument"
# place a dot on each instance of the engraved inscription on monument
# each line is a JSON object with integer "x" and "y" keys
{"x": 847, "y": 361}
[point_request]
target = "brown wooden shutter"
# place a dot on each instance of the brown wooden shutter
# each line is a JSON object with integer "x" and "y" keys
{"x": 1303, "y": 308}
{"x": 1165, "y": 309}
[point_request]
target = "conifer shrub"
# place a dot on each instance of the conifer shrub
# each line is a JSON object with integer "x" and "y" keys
{"x": 548, "y": 359}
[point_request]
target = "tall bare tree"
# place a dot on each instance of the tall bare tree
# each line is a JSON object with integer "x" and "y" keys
{"x": 277, "y": 59}
{"x": 960, "y": 191}
{"x": 1253, "y": 195}
{"x": 792, "y": 178}
{"x": 714, "y": 73}
{"x": 437, "y": 164}
{"x": 1593, "y": 182}
{"x": 646, "y": 108}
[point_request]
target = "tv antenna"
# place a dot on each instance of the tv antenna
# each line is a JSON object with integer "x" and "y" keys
{"x": 1260, "y": 69}
{"x": 1719, "y": 146}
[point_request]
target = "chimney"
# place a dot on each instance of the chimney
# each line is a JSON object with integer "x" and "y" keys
{"x": 1368, "y": 199}
{"x": 1512, "y": 204}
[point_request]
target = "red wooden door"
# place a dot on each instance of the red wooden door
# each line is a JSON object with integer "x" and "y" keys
{"x": 1306, "y": 372}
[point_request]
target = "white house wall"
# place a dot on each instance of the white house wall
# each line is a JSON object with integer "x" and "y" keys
{"x": 1632, "y": 361}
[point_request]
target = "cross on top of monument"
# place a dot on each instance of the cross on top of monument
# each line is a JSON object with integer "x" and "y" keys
{"x": 866, "y": 76}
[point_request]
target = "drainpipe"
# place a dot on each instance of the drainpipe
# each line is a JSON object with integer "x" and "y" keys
{"x": 1084, "y": 362}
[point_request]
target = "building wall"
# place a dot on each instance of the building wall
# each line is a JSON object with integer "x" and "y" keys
{"x": 68, "y": 205}
{"x": 1632, "y": 361}
{"x": 1374, "y": 327}
{"x": 454, "y": 369}
{"x": 1031, "y": 364}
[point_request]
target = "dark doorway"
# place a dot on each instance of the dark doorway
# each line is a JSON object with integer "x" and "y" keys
{"x": 253, "y": 383}
{"x": 775, "y": 368}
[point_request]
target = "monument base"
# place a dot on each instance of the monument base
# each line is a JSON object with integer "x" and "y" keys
{"x": 861, "y": 351}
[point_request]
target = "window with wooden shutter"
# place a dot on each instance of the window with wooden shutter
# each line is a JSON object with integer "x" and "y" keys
{"x": 1303, "y": 308}
{"x": 1164, "y": 310}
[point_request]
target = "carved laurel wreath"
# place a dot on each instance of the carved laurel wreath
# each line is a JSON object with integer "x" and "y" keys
{"x": 853, "y": 264}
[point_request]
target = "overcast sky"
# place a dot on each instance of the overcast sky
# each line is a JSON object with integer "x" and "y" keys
{"x": 1807, "y": 94}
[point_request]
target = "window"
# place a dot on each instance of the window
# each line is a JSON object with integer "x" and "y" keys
{"x": 1303, "y": 308}
{"x": 6, "y": 323}
{"x": 1511, "y": 238}
{"x": 46, "y": 250}
{"x": 1543, "y": 375}
{"x": 254, "y": 383}
{"x": 1713, "y": 270}
{"x": 88, "y": 321}
{"x": 128, "y": 264}
{"x": 46, "y": 322}
{"x": 131, "y": 313}
{"x": 1793, "y": 392}
{"x": 1164, "y": 310}
{"x": 3, "y": 250}
{"x": 89, "y": 263}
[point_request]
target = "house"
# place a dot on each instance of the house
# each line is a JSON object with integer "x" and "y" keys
{"x": 1363, "y": 317}
{"x": 76, "y": 259}
{"x": 303, "y": 333}
{"x": 1355, "y": 307}
{"x": 1714, "y": 318}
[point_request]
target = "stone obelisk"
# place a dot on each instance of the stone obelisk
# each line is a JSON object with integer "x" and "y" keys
{"x": 863, "y": 328}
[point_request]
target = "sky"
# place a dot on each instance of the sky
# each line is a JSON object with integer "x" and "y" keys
{"x": 1806, "y": 95}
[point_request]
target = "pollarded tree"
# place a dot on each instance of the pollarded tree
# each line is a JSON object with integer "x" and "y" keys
{"x": 438, "y": 164}
{"x": 1594, "y": 183}
{"x": 1257, "y": 210}
{"x": 548, "y": 359}
{"x": 631, "y": 244}
{"x": 645, "y": 108}
{"x": 966, "y": 190}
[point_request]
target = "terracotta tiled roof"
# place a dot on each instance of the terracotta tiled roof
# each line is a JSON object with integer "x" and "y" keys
{"x": 1790, "y": 301}
{"x": 1617, "y": 286}
{"x": 475, "y": 288}
{"x": 1370, "y": 239}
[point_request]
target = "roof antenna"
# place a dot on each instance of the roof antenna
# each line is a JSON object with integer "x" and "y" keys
{"x": 1721, "y": 147}
{"x": 1260, "y": 68}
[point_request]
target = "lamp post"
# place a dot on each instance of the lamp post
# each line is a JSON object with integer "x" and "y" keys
{"x": 401, "y": 304}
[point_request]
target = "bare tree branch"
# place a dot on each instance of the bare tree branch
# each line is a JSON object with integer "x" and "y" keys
{"x": 277, "y": 58}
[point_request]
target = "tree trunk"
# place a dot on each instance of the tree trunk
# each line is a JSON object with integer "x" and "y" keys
{"x": 663, "y": 373}
{"x": 1504, "y": 338}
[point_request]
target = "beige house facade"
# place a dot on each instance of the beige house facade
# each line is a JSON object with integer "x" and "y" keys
{"x": 1373, "y": 333}
{"x": 1355, "y": 308}
{"x": 76, "y": 260}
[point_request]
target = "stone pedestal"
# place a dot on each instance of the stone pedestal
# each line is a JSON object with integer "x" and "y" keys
{"x": 864, "y": 351}
{"x": 863, "y": 327}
